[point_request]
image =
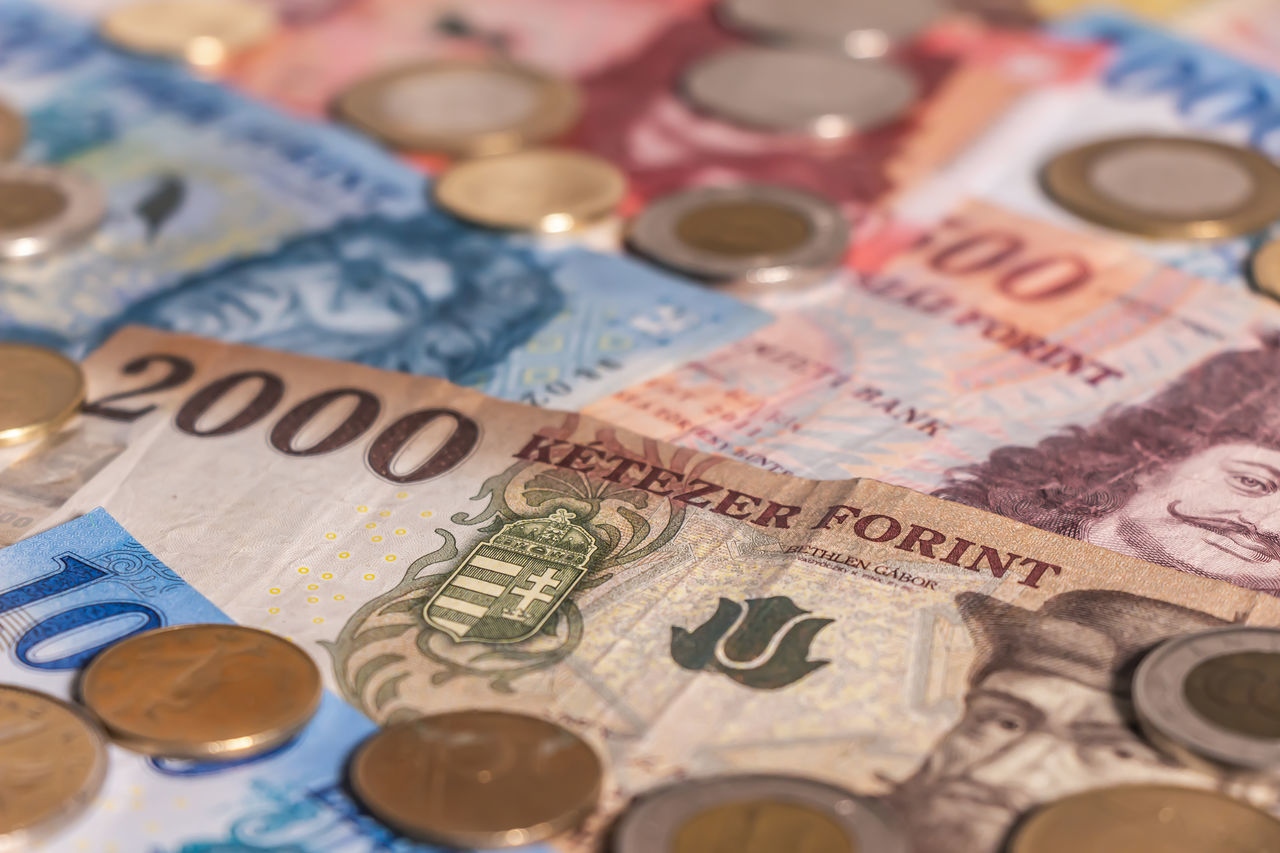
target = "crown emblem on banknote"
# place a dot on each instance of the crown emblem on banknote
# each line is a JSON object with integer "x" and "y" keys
{"x": 512, "y": 582}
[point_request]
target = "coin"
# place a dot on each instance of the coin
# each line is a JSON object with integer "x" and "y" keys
{"x": 43, "y": 208}
{"x": 1214, "y": 697}
{"x": 1161, "y": 818}
{"x": 203, "y": 692}
{"x": 857, "y": 28}
{"x": 13, "y": 132}
{"x": 40, "y": 390}
{"x": 761, "y": 234}
{"x": 53, "y": 758}
{"x": 756, "y": 814}
{"x": 460, "y": 108}
{"x": 205, "y": 33}
{"x": 1264, "y": 268}
{"x": 477, "y": 778}
{"x": 799, "y": 91}
{"x": 1166, "y": 187}
{"x": 549, "y": 190}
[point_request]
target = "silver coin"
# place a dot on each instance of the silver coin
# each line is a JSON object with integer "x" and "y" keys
{"x": 43, "y": 209}
{"x": 798, "y": 91}
{"x": 1214, "y": 698}
{"x": 740, "y": 812}
{"x": 758, "y": 234}
{"x": 857, "y": 28}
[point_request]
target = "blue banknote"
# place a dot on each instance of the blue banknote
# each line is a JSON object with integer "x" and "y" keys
{"x": 73, "y": 590}
{"x": 229, "y": 219}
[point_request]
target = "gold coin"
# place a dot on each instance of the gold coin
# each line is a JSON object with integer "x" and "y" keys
{"x": 53, "y": 758}
{"x": 13, "y": 132}
{"x": 39, "y": 391}
{"x": 477, "y": 778}
{"x": 460, "y": 108}
{"x": 1265, "y": 267}
{"x": 205, "y": 33}
{"x": 762, "y": 826}
{"x": 546, "y": 189}
{"x": 744, "y": 227}
{"x": 203, "y": 691}
{"x": 1147, "y": 817}
{"x": 1167, "y": 187}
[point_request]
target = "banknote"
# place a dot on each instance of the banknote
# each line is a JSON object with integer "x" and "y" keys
{"x": 628, "y": 55}
{"x": 1247, "y": 28}
{"x": 75, "y": 589}
{"x": 228, "y": 219}
{"x": 1148, "y": 81}
{"x": 435, "y": 549}
{"x": 1052, "y": 375}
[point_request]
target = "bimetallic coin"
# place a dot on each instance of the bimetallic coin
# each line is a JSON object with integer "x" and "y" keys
{"x": 858, "y": 28}
{"x": 1160, "y": 818}
{"x": 819, "y": 94}
{"x": 477, "y": 778}
{"x": 756, "y": 814}
{"x": 1214, "y": 697}
{"x": 40, "y": 390}
{"x": 203, "y": 692}
{"x": 1167, "y": 187}
{"x": 460, "y": 108}
{"x": 1264, "y": 269}
{"x": 53, "y": 758}
{"x": 760, "y": 234}
{"x": 43, "y": 209}
{"x": 13, "y": 132}
{"x": 547, "y": 190}
{"x": 205, "y": 33}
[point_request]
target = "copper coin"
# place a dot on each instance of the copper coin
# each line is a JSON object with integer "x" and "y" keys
{"x": 40, "y": 389}
{"x": 1160, "y": 818}
{"x": 53, "y": 759}
{"x": 203, "y": 692}
{"x": 13, "y": 132}
{"x": 478, "y": 778}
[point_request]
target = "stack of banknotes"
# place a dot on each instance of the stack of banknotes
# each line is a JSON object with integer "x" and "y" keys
{"x": 639, "y": 426}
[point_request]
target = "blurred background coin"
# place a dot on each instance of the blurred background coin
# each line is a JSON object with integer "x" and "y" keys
{"x": 40, "y": 389}
{"x": 1156, "y": 818}
{"x": 202, "y": 692}
{"x": 53, "y": 758}
{"x": 1214, "y": 697}
{"x": 481, "y": 779}
{"x": 858, "y": 28}
{"x": 44, "y": 209}
{"x": 460, "y": 108}
{"x": 1167, "y": 187}
{"x": 819, "y": 94}
{"x": 1264, "y": 268}
{"x": 547, "y": 190}
{"x": 13, "y": 132}
{"x": 204, "y": 33}
{"x": 755, "y": 813}
{"x": 764, "y": 235}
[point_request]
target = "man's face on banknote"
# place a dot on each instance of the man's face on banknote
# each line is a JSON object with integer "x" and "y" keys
{"x": 1216, "y": 513}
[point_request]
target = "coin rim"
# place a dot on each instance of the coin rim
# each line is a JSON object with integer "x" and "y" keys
{"x": 1169, "y": 721}
{"x": 733, "y": 18}
{"x": 15, "y": 123}
{"x": 652, "y": 235}
{"x": 110, "y": 29}
{"x": 806, "y": 127}
{"x": 1264, "y": 269}
{"x": 1064, "y": 179}
{"x": 1017, "y": 837}
{"x": 86, "y": 208}
{"x": 613, "y": 188}
{"x": 550, "y": 828}
{"x": 223, "y": 750}
{"x": 650, "y": 822}
{"x": 31, "y": 432}
{"x": 79, "y": 802}
{"x": 560, "y": 105}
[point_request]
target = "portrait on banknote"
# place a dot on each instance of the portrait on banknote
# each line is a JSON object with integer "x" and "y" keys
{"x": 1046, "y": 714}
{"x": 1189, "y": 478}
